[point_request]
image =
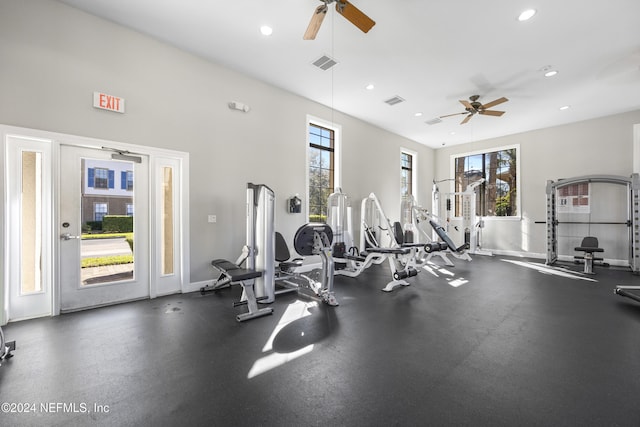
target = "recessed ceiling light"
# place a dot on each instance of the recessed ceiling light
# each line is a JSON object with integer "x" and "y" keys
{"x": 418, "y": 114}
{"x": 526, "y": 15}
{"x": 370, "y": 86}
{"x": 550, "y": 73}
{"x": 266, "y": 30}
{"x": 565, "y": 107}
{"x": 452, "y": 133}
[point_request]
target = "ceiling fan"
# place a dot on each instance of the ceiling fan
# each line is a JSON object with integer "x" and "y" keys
{"x": 344, "y": 8}
{"x": 474, "y": 107}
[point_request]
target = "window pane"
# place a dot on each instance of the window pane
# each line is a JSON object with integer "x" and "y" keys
{"x": 101, "y": 178}
{"x": 130, "y": 180}
{"x": 315, "y": 139}
{"x": 167, "y": 221}
{"x": 99, "y": 211}
{"x": 31, "y": 236}
{"x": 325, "y": 178}
{"x": 314, "y": 157}
{"x": 325, "y": 159}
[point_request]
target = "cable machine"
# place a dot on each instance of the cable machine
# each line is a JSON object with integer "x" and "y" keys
{"x": 632, "y": 184}
{"x": 472, "y": 229}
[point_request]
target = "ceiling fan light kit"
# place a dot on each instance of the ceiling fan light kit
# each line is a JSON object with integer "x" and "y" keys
{"x": 344, "y": 8}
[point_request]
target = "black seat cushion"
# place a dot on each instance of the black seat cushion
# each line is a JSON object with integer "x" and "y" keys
{"x": 241, "y": 274}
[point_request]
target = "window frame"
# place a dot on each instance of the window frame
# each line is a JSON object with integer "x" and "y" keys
{"x": 103, "y": 213}
{"x": 414, "y": 172}
{"x": 452, "y": 165}
{"x": 337, "y": 151}
{"x": 129, "y": 182}
{"x": 96, "y": 178}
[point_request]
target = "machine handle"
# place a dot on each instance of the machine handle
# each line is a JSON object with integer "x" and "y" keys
{"x": 68, "y": 236}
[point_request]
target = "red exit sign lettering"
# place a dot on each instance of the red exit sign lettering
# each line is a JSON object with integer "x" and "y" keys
{"x": 108, "y": 102}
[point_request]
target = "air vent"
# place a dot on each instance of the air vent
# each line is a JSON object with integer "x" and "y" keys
{"x": 434, "y": 121}
{"x": 395, "y": 100}
{"x": 325, "y": 62}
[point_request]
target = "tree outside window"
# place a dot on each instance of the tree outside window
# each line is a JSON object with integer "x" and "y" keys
{"x": 497, "y": 196}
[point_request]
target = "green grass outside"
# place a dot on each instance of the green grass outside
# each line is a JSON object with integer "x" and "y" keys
{"x": 106, "y": 236}
{"x": 107, "y": 260}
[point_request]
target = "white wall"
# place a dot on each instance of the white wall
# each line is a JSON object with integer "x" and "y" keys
{"x": 599, "y": 146}
{"x": 54, "y": 57}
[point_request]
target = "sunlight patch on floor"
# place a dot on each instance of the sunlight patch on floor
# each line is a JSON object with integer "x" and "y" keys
{"x": 545, "y": 269}
{"x": 295, "y": 311}
{"x": 438, "y": 271}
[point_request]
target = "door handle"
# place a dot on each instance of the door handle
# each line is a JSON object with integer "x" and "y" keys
{"x": 68, "y": 236}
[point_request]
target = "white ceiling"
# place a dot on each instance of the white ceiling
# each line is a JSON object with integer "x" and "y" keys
{"x": 431, "y": 53}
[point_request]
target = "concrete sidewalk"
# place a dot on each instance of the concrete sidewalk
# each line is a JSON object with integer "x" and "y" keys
{"x": 106, "y": 274}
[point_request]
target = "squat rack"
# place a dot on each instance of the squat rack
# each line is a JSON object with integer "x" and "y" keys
{"x": 633, "y": 216}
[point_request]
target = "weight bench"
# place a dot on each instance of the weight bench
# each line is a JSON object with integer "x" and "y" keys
{"x": 440, "y": 231}
{"x": 589, "y": 246}
{"x": 231, "y": 274}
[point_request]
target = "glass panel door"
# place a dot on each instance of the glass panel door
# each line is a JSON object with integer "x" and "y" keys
{"x": 103, "y": 227}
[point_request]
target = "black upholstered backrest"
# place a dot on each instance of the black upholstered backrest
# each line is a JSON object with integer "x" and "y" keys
{"x": 398, "y": 233}
{"x": 282, "y": 250}
{"x": 589, "y": 242}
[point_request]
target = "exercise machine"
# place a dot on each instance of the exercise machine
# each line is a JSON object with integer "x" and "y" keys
{"x": 379, "y": 243}
{"x": 441, "y": 244}
{"x": 5, "y": 347}
{"x": 472, "y": 224}
{"x": 261, "y": 253}
{"x": 311, "y": 239}
{"x": 340, "y": 220}
{"x": 632, "y": 188}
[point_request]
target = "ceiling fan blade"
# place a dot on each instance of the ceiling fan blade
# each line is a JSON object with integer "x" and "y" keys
{"x": 491, "y": 112}
{"x": 316, "y": 21}
{"x": 354, "y": 15}
{"x": 494, "y": 103}
{"x": 466, "y": 119}
{"x": 466, "y": 104}
{"x": 454, "y": 114}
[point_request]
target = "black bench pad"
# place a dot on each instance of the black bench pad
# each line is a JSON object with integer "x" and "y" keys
{"x": 588, "y": 249}
{"x": 236, "y": 273}
{"x": 396, "y": 251}
{"x": 224, "y": 265}
{"x": 240, "y": 274}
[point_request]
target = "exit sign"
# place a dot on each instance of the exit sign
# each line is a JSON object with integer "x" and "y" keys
{"x": 108, "y": 102}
